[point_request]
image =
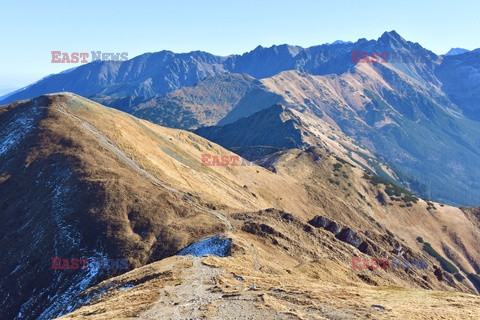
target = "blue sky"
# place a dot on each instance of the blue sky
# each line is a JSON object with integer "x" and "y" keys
{"x": 30, "y": 30}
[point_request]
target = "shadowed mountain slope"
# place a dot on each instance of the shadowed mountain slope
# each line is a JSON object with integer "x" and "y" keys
{"x": 412, "y": 128}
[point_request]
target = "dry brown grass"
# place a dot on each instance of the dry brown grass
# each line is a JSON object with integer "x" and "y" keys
{"x": 146, "y": 196}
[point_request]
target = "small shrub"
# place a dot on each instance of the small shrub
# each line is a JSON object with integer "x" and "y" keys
{"x": 475, "y": 279}
{"x": 390, "y": 233}
{"x": 459, "y": 277}
{"x": 381, "y": 198}
{"x": 410, "y": 198}
{"x": 446, "y": 265}
{"x": 392, "y": 189}
{"x": 420, "y": 239}
{"x": 341, "y": 160}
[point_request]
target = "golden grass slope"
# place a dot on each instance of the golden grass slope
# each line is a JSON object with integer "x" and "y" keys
{"x": 295, "y": 276}
{"x": 153, "y": 185}
{"x": 300, "y": 186}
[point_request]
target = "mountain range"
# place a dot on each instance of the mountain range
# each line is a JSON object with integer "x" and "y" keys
{"x": 414, "y": 120}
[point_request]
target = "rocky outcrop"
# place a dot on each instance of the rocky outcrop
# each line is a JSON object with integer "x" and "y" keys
{"x": 346, "y": 234}
{"x": 349, "y": 236}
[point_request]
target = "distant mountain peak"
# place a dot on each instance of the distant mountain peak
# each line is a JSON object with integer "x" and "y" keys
{"x": 339, "y": 42}
{"x": 456, "y": 51}
{"x": 391, "y": 36}
{"x": 285, "y": 48}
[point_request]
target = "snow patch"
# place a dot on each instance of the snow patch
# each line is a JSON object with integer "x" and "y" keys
{"x": 216, "y": 246}
{"x": 16, "y": 130}
{"x": 127, "y": 286}
{"x": 69, "y": 300}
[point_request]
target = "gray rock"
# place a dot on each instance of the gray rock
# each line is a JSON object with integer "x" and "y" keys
{"x": 320, "y": 222}
{"x": 366, "y": 248}
{"x": 288, "y": 217}
{"x": 333, "y": 227}
{"x": 325, "y": 223}
{"x": 349, "y": 236}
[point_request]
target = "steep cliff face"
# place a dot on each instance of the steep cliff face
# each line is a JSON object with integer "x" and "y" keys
{"x": 459, "y": 75}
